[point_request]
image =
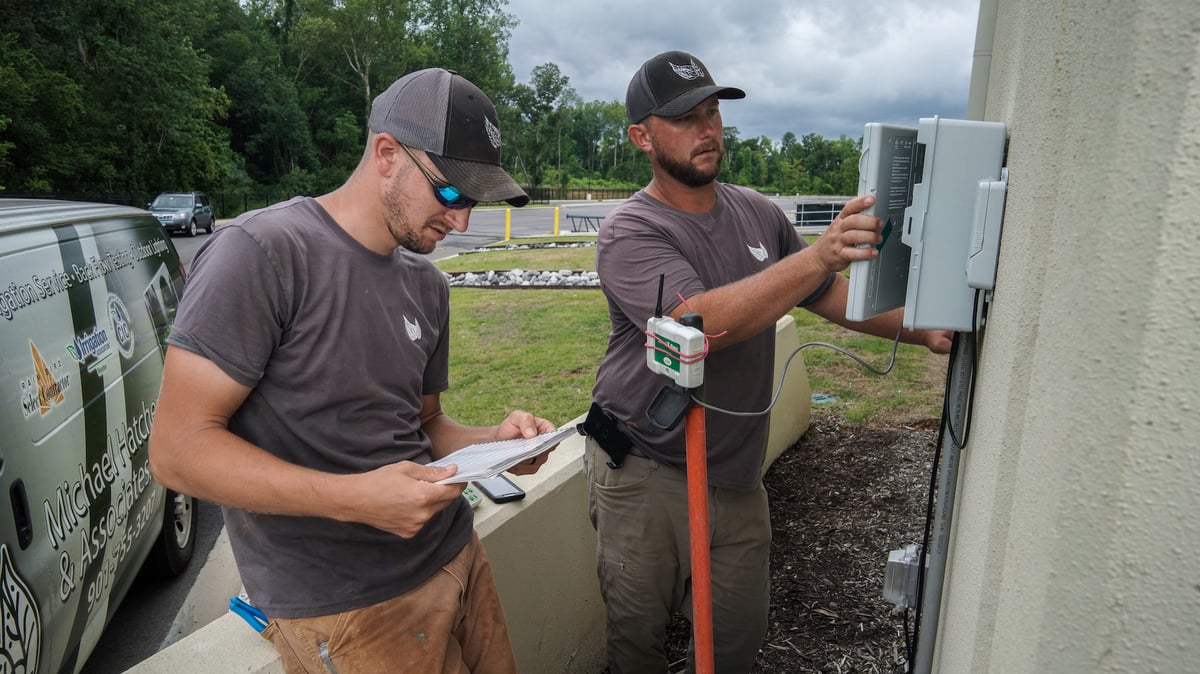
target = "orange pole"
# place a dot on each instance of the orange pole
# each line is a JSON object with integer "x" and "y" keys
{"x": 697, "y": 476}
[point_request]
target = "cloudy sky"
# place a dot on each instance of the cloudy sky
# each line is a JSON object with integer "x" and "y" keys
{"x": 807, "y": 66}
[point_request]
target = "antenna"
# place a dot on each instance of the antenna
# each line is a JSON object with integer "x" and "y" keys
{"x": 658, "y": 307}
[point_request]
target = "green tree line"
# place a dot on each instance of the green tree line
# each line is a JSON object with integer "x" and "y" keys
{"x": 141, "y": 96}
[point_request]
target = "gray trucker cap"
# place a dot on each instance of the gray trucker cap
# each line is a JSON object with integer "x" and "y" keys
{"x": 444, "y": 114}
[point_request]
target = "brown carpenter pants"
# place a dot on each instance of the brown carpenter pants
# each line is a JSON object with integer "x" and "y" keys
{"x": 451, "y": 624}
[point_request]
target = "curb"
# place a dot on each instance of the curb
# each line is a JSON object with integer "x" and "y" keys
{"x": 208, "y": 599}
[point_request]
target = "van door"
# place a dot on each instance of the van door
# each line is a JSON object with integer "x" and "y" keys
{"x": 85, "y": 307}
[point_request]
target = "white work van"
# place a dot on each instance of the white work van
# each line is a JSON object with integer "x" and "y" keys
{"x": 87, "y": 296}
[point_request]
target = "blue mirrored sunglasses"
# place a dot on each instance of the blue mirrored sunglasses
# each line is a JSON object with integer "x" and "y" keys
{"x": 447, "y": 195}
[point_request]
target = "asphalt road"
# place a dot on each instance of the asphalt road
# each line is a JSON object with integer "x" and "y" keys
{"x": 151, "y": 606}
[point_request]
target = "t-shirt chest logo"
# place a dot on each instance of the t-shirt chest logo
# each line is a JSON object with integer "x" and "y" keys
{"x": 759, "y": 253}
{"x": 413, "y": 329}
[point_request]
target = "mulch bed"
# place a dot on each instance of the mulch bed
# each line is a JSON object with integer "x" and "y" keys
{"x": 842, "y": 498}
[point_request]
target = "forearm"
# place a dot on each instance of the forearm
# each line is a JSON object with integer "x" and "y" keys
{"x": 447, "y": 435}
{"x": 888, "y": 324}
{"x": 832, "y": 307}
{"x": 215, "y": 465}
{"x": 745, "y": 308}
{"x": 884, "y": 325}
{"x": 193, "y": 451}
{"x": 219, "y": 467}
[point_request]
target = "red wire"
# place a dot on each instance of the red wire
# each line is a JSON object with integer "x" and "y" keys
{"x": 672, "y": 351}
{"x": 706, "y": 336}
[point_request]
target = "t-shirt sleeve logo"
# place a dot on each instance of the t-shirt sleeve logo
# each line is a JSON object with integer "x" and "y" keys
{"x": 413, "y": 329}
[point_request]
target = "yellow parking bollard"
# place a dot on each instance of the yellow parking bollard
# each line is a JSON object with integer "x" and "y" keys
{"x": 507, "y": 224}
{"x": 556, "y": 221}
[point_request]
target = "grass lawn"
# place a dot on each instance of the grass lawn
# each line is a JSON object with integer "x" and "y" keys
{"x": 537, "y": 350}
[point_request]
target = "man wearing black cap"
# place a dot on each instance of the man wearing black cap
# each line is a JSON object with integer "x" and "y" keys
{"x": 301, "y": 392}
{"x": 730, "y": 255}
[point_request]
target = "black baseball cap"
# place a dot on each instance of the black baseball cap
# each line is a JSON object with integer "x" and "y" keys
{"x": 444, "y": 114}
{"x": 669, "y": 85}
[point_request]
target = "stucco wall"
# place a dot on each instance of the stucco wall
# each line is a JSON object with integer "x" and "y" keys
{"x": 1076, "y": 542}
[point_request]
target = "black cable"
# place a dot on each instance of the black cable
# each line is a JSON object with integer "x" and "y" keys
{"x": 788, "y": 362}
{"x": 974, "y": 363}
{"x": 658, "y": 307}
{"x": 947, "y": 425}
{"x": 907, "y": 636}
{"x": 937, "y": 456}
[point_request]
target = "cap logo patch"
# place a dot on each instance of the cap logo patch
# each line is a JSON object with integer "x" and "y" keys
{"x": 691, "y": 71}
{"x": 493, "y": 132}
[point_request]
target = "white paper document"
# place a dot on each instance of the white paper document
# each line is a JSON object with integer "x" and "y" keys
{"x": 488, "y": 459}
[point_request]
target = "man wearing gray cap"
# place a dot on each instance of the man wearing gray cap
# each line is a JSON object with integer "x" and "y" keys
{"x": 301, "y": 393}
{"x": 730, "y": 255}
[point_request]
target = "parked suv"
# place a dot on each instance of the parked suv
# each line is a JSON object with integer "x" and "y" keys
{"x": 88, "y": 293}
{"x": 184, "y": 212}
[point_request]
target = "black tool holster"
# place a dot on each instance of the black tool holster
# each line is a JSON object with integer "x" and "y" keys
{"x": 606, "y": 431}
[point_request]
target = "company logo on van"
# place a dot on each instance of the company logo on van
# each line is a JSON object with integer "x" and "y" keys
{"x": 22, "y": 621}
{"x": 49, "y": 391}
{"x": 91, "y": 348}
{"x": 118, "y": 319}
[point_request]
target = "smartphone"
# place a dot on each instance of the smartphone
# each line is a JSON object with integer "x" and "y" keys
{"x": 500, "y": 489}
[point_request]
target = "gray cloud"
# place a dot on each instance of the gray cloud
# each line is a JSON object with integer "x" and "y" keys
{"x": 818, "y": 67}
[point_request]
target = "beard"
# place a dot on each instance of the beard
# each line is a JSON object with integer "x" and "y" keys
{"x": 684, "y": 171}
{"x": 399, "y": 226}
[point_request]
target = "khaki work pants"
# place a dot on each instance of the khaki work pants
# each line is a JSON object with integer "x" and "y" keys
{"x": 640, "y": 512}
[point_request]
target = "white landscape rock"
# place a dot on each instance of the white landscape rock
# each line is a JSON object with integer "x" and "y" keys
{"x": 521, "y": 278}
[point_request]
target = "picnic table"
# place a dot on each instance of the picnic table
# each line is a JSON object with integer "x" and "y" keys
{"x": 583, "y": 223}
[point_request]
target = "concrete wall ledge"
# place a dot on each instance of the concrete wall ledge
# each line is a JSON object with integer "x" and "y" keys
{"x": 542, "y": 550}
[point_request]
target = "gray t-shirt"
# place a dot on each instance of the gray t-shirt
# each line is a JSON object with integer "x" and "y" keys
{"x": 643, "y": 238}
{"x": 338, "y": 344}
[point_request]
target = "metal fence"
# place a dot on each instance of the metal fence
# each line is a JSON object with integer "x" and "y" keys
{"x": 546, "y": 195}
{"x": 818, "y": 213}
